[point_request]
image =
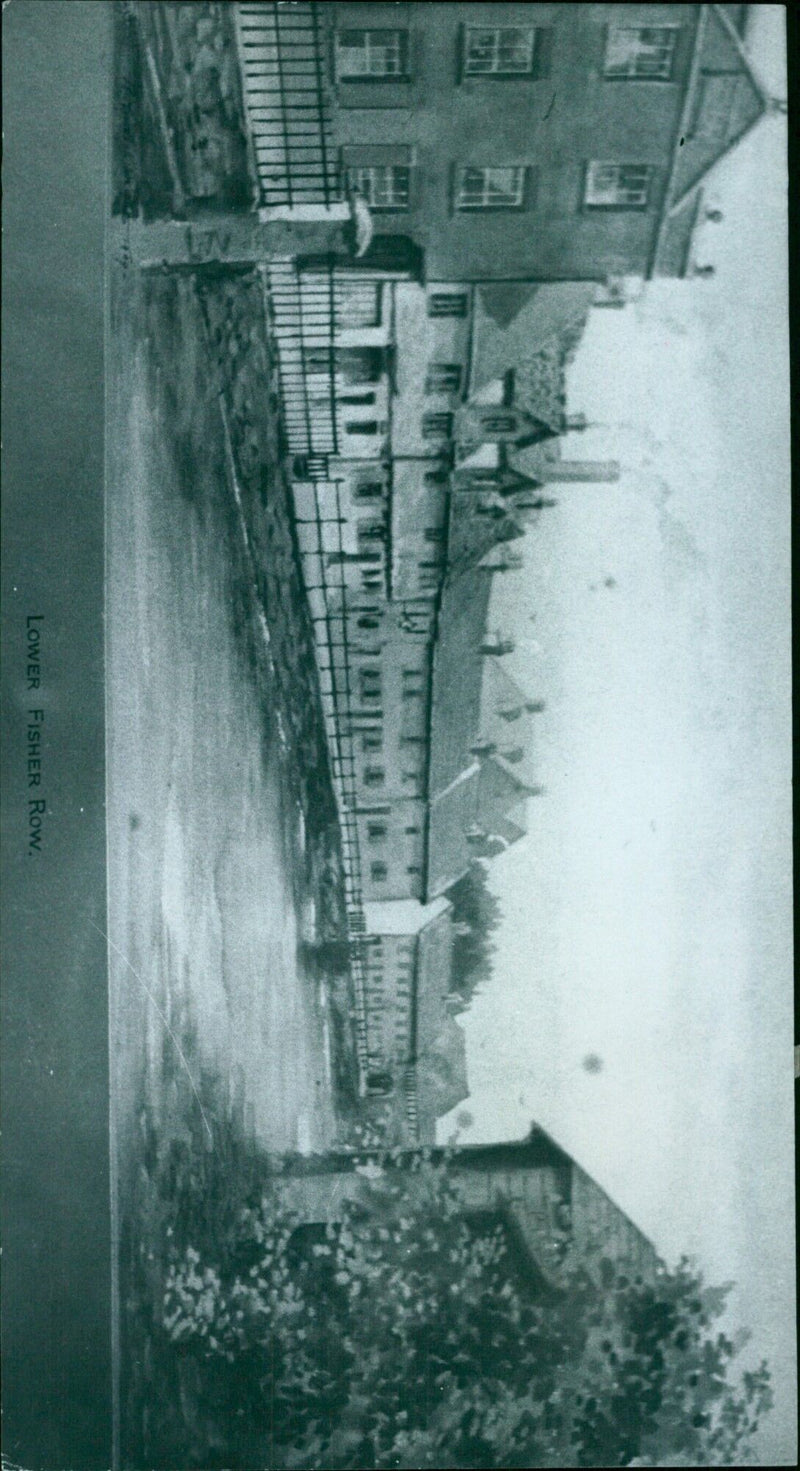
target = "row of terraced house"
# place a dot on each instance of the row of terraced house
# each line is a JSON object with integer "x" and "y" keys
{"x": 503, "y": 171}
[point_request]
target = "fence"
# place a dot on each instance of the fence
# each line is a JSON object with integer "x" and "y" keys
{"x": 313, "y": 310}
{"x": 307, "y": 309}
{"x": 287, "y": 102}
{"x": 303, "y": 311}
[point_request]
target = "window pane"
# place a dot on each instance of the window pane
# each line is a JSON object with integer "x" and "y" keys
{"x": 490, "y": 188}
{"x": 617, "y": 185}
{"x": 498, "y": 50}
{"x": 372, "y": 53}
{"x": 447, "y": 304}
{"x": 357, "y": 304}
{"x": 645, "y": 52}
{"x": 384, "y": 186}
{"x": 434, "y": 425}
{"x": 443, "y": 378}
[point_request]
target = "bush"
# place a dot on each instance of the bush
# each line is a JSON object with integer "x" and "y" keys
{"x": 405, "y": 1335}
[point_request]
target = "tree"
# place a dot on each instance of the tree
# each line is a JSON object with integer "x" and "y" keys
{"x": 476, "y": 915}
{"x": 407, "y": 1335}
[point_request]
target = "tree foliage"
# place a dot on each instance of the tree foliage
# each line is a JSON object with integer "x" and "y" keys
{"x": 404, "y": 1336}
{"x": 476, "y": 915}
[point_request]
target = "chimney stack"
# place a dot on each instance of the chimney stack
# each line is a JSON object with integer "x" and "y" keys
{"x": 579, "y": 470}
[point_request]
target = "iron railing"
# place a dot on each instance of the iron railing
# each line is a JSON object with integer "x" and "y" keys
{"x": 287, "y": 102}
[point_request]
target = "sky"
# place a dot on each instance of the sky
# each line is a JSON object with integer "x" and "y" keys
{"x": 647, "y": 916}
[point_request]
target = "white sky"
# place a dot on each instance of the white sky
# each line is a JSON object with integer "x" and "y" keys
{"x": 647, "y": 916}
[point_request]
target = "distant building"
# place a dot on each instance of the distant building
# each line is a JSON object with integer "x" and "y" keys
{"x": 415, "y": 1045}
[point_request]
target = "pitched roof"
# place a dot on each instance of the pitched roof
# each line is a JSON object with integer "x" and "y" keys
{"x": 402, "y": 916}
{"x": 551, "y": 318}
{"x": 724, "y": 100}
{"x": 441, "y": 1062}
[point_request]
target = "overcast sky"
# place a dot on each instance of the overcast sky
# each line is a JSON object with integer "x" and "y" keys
{"x": 647, "y": 916}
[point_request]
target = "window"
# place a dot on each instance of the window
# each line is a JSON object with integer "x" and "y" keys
{"x": 360, "y": 400}
{"x": 372, "y": 743}
{"x": 443, "y": 378}
{"x": 374, "y": 776}
{"x": 376, "y": 831}
{"x": 369, "y": 685}
{"x": 645, "y": 53}
{"x": 447, "y": 304}
{"x": 434, "y": 533}
{"x": 359, "y": 365}
{"x": 318, "y": 359}
{"x": 499, "y": 51}
{"x": 617, "y": 185}
{"x": 371, "y": 55}
{"x": 413, "y": 868}
{"x": 357, "y": 303}
{"x": 378, "y": 872}
{"x": 382, "y": 185}
{"x": 361, "y": 426}
{"x": 372, "y": 490}
{"x": 436, "y": 426}
{"x": 490, "y": 188}
{"x": 412, "y": 829}
{"x": 435, "y": 477}
{"x": 500, "y": 424}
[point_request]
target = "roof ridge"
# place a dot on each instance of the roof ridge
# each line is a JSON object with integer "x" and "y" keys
{"x": 724, "y": 20}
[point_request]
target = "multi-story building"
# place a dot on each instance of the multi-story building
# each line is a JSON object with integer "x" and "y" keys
{"x": 508, "y": 167}
{"x": 415, "y": 1045}
{"x": 531, "y": 142}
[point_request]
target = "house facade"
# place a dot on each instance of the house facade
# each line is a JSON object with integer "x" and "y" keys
{"x": 537, "y": 142}
{"x": 505, "y": 169}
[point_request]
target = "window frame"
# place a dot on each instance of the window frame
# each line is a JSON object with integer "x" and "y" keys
{"x": 390, "y": 205}
{"x": 451, "y": 296}
{"x": 496, "y": 72}
{"x": 437, "y": 424}
{"x": 490, "y": 206}
{"x": 638, "y": 206}
{"x": 349, "y": 293}
{"x": 632, "y": 75}
{"x": 404, "y": 49}
{"x": 443, "y": 378}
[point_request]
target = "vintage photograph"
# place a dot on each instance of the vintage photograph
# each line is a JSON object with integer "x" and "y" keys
{"x": 448, "y": 735}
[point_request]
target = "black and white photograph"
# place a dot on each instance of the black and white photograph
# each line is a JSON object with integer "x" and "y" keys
{"x": 399, "y": 739}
